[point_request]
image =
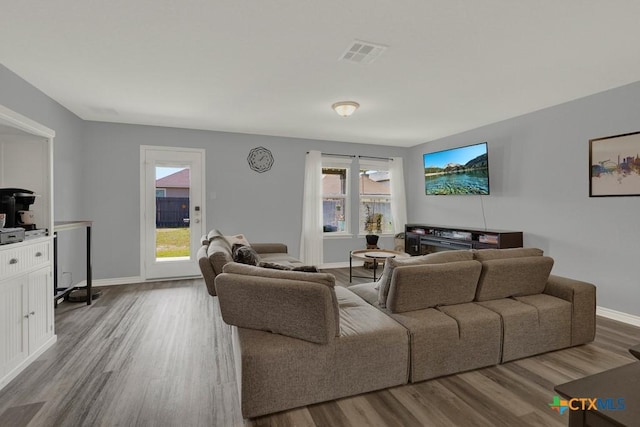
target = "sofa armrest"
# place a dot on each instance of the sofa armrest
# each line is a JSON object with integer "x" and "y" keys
{"x": 582, "y": 296}
{"x": 294, "y": 308}
{"x": 269, "y": 248}
{"x": 207, "y": 270}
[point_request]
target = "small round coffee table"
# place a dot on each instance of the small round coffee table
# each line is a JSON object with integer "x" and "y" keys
{"x": 379, "y": 256}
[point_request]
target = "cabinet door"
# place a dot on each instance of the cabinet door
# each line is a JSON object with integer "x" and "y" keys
{"x": 40, "y": 310}
{"x": 14, "y": 330}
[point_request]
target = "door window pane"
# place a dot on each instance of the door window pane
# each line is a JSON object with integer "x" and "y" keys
{"x": 172, "y": 213}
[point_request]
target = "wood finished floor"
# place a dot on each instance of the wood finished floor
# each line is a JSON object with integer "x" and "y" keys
{"x": 158, "y": 354}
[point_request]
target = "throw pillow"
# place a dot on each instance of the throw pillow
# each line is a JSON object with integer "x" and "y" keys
{"x": 245, "y": 254}
{"x": 238, "y": 238}
{"x": 306, "y": 268}
{"x": 276, "y": 266}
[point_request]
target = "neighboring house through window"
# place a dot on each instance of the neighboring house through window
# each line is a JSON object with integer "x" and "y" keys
{"x": 175, "y": 185}
{"x": 375, "y": 198}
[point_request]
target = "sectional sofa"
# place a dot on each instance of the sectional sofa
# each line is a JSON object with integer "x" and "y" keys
{"x": 299, "y": 339}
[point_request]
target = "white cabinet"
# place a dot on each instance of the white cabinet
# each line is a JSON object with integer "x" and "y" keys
{"x": 14, "y": 331}
{"x": 39, "y": 311}
{"x": 26, "y": 308}
{"x": 26, "y": 281}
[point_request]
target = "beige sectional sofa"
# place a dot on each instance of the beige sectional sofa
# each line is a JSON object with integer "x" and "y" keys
{"x": 215, "y": 253}
{"x": 301, "y": 340}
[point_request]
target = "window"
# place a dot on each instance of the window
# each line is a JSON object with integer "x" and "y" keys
{"x": 161, "y": 192}
{"x": 335, "y": 197}
{"x": 375, "y": 198}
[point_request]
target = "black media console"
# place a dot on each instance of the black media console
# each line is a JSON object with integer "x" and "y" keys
{"x": 422, "y": 239}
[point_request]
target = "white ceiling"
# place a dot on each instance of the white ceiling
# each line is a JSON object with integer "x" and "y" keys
{"x": 271, "y": 67}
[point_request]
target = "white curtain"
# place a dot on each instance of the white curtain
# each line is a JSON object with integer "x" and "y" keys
{"x": 311, "y": 240}
{"x": 398, "y": 196}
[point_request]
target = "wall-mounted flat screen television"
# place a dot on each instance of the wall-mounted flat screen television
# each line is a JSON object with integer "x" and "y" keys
{"x": 461, "y": 170}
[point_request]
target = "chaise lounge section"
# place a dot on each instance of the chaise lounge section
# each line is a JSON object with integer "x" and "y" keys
{"x": 299, "y": 339}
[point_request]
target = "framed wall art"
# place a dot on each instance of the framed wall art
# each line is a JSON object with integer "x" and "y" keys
{"x": 614, "y": 165}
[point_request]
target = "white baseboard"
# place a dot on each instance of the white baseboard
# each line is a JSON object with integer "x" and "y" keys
{"x": 113, "y": 282}
{"x": 618, "y": 315}
{"x": 128, "y": 281}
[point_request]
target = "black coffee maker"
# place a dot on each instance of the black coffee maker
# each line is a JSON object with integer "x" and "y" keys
{"x": 15, "y": 203}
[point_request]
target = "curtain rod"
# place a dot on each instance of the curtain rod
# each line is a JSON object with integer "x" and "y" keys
{"x": 353, "y": 155}
{"x": 376, "y": 158}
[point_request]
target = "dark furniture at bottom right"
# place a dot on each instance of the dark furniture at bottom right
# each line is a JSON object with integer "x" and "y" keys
{"x": 615, "y": 384}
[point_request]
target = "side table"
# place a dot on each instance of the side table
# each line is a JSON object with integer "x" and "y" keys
{"x": 379, "y": 256}
{"x": 70, "y": 225}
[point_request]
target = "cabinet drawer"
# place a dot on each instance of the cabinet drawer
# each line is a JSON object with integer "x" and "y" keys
{"x": 23, "y": 258}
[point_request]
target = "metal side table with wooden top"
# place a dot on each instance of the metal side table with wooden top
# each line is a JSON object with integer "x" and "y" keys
{"x": 64, "y": 292}
{"x": 379, "y": 256}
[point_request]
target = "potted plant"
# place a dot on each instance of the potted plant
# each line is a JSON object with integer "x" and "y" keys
{"x": 372, "y": 223}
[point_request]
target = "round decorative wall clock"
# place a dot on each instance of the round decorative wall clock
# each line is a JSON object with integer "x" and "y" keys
{"x": 260, "y": 159}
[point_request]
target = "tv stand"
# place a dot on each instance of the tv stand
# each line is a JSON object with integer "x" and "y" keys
{"x": 422, "y": 239}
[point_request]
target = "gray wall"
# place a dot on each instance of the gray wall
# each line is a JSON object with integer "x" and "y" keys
{"x": 266, "y": 207}
{"x": 539, "y": 177}
{"x": 539, "y": 184}
{"x": 69, "y": 149}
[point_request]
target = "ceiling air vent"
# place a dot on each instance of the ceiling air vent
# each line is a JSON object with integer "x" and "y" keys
{"x": 363, "y": 52}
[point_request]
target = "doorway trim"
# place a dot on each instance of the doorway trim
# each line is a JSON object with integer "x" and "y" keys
{"x": 143, "y": 194}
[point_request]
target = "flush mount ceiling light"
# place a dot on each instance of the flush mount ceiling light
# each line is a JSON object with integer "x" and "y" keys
{"x": 345, "y": 108}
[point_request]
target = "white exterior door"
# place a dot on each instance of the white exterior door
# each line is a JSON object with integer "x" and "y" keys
{"x": 172, "y": 220}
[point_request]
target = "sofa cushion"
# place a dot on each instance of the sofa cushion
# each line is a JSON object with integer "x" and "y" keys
{"x": 423, "y": 286}
{"x": 450, "y": 339}
{"x": 489, "y": 254}
{"x": 293, "y": 308}
{"x": 508, "y": 277}
{"x": 244, "y": 254}
{"x": 434, "y": 258}
{"x": 532, "y": 324}
{"x": 325, "y": 279}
